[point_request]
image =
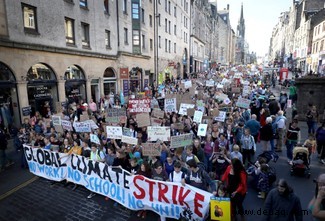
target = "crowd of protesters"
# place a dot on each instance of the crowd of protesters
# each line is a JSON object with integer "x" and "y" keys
{"x": 224, "y": 154}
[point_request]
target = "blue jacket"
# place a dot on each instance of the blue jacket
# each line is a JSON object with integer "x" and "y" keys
{"x": 254, "y": 126}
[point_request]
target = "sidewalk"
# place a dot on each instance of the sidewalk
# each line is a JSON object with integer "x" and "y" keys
{"x": 13, "y": 176}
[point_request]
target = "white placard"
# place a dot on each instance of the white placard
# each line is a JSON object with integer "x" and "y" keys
{"x": 94, "y": 138}
{"x": 289, "y": 103}
{"x": 114, "y": 132}
{"x": 158, "y": 133}
{"x": 202, "y": 130}
{"x": 183, "y": 108}
{"x": 66, "y": 125}
{"x": 93, "y": 125}
{"x": 226, "y": 101}
{"x": 187, "y": 84}
{"x": 221, "y": 117}
{"x": 56, "y": 120}
{"x": 170, "y": 105}
{"x": 130, "y": 140}
{"x": 81, "y": 127}
{"x": 209, "y": 83}
{"x": 198, "y": 116}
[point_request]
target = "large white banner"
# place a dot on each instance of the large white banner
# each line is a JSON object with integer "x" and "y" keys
{"x": 132, "y": 191}
{"x": 158, "y": 133}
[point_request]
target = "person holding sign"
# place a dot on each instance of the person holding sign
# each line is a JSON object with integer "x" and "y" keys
{"x": 235, "y": 178}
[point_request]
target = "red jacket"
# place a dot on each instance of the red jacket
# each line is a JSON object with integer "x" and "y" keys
{"x": 242, "y": 187}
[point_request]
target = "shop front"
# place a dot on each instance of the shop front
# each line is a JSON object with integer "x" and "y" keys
{"x": 42, "y": 89}
{"x": 109, "y": 81}
{"x": 9, "y": 106}
{"x": 75, "y": 85}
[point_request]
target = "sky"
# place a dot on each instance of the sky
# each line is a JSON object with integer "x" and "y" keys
{"x": 260, "y": 18}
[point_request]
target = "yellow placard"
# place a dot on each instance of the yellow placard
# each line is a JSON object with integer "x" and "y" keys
{"x": 220, "y": 209}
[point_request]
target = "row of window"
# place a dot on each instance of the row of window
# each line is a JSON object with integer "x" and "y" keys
{"x": 319, "y": 29}
{"x": 321, "y": 47}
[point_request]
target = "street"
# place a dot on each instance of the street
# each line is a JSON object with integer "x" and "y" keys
{"x": 39, "y": 200}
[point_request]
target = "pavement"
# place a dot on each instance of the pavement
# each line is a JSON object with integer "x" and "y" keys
{"x": 25, "y": 197}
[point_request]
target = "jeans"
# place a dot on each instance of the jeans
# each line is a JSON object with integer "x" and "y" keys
{"x": 279, "y": 143}
{"x": 207, "y": 162}
{"x": 312, "y": 125}
{"x": 290, "y": 145}
{"x": 272, "y": 145}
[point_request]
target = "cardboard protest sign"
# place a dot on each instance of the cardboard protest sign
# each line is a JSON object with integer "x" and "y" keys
{"x": 151, "y": 149}
{"x": 181, "y": 140}
{"x": 112, "y": 119}
{"x": 130, "y": 140}
{"x": 243, "y": 103}
{"x": 56, "y": 120}
{"x": 170, "y": 105}
{"x": 190, "y": 112}
{"x": 198, "y": 116}
{"x": 156, "y": 122}
{"x": 143, "y": 119}
{"x": 158, "y": 133}
{"x": 220, "y": 209}
{"x": 183, "y": 108}
{"x": 84, "y": 117}
{"x": 214, "y": 112}
{"x": 221, "y": 117}
{"x": 94, "y": 138}
{"x": 202, "y": 130}
{"x": 157, "y": 113}
{"x": 81, "y": 127}
{"x": 116, "y": 112}
{"x": 179, "y": 126}
{"x": 114, "y": 132}
{"x": 59, "y": 129}
{"x": 139, "y": 105}
{"x": 66, "y": 125}
{"x": 235, "y": 89}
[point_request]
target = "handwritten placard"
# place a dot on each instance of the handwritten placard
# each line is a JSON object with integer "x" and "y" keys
{"x": 151, "y": 149}
{"x": 198, "y": 116}
{"x": 81, "y": 127}
{"x": 114, "y": 132}
{"x": 181, "y": 140}
{"x": 56, "y": 120}
{"x": 170, "y": 105}
{"x": 221, "y": 117}
{"x": 157, "y": 113}
{"x": 202, "y": 130}
{"x": 156, "y": 122}
{"x": 66, "y": 125}
{"x": 143, "y": 119}
{"x": 243, "y": 103}
{"x": 130, "y": 140}
{"x": 94, "y": 138}
{"x": 139, "y": 105}
{"x": 158, "y": 133}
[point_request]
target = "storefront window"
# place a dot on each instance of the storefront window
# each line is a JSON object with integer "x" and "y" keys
{"x": 9, "y": 112}
{"x": 109, "y": 81}
{"x": 42, "y": 89}
{"x": 75, "y": 87}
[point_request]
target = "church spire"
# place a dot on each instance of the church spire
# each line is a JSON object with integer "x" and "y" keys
{"x": 241, "y": 13}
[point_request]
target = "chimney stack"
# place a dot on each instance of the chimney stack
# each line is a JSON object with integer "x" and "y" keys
{"x": 227, "y": 7}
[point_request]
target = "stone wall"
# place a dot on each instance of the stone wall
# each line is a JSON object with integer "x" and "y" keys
{"x": 311, "y": 90}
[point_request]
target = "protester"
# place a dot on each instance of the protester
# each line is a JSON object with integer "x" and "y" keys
{"x": 291, "y": 140}
{"x": 235, "y": 178}
{"x": 320, "y": 139}
{"x": 283, "y": 200}
{"x": 317, "y": 204}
